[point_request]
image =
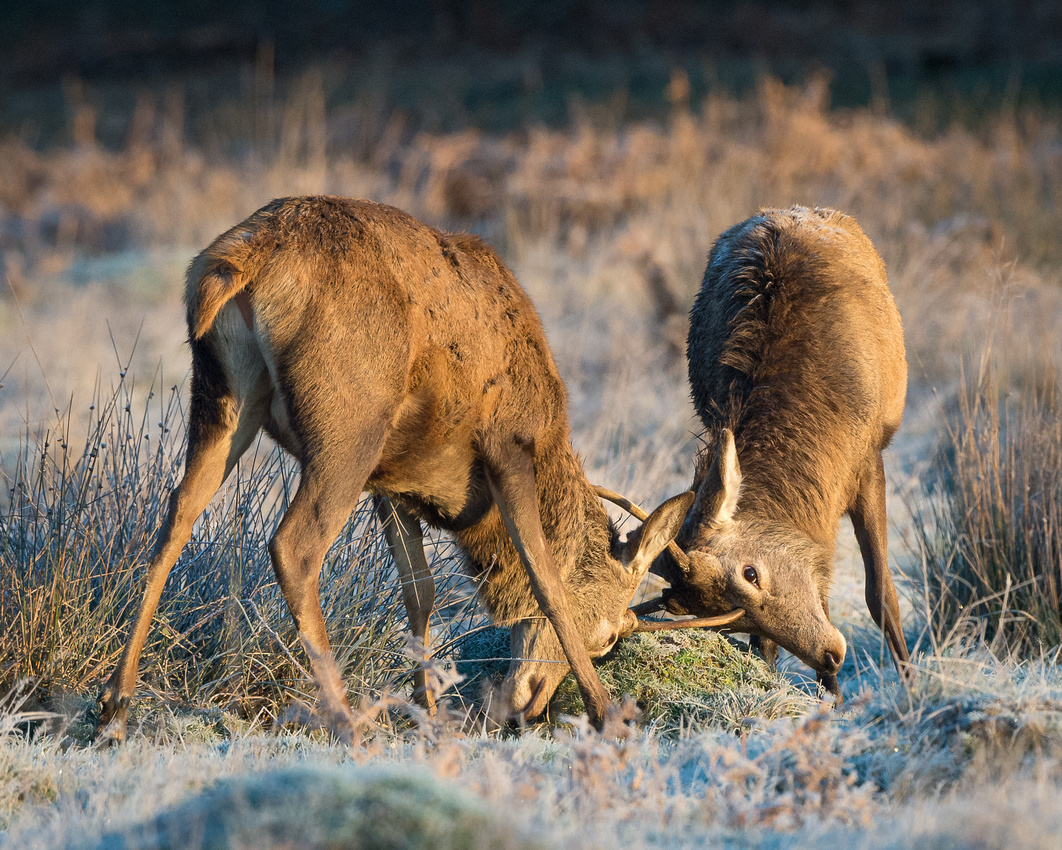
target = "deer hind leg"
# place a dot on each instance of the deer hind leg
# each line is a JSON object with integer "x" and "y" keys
{"x": 332, "y": 480}
{"x": 405, "y": 539}
{"x": 221, "y": 425}
{"x": 868, "y": 520}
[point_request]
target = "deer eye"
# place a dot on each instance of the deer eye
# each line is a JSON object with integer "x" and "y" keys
{"x": 751, "y": 575}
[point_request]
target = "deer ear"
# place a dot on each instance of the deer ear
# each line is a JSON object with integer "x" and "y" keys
{"x": 717, "y": 496}
{"x": 647, "y": 541}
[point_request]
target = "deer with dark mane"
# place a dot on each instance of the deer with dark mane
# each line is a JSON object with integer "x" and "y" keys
{"x": 390, "y": 357}
{"x": 798, "y": 373}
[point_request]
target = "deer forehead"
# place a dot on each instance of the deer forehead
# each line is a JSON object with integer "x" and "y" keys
{"x": 768, "y": 543}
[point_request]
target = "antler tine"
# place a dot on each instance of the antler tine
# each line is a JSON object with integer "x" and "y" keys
{"x": 681, "y": 558}
{"x": 622, "y": 501}
{"x": 690, "y": 623}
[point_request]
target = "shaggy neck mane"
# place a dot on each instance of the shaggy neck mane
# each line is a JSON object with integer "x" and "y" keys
{"x": 576, "y": 527}
{"x": 788, "y": 428}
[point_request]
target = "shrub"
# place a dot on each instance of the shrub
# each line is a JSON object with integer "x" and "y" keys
{"x": 989, "y": 528}
{"x": 78, "y": 526}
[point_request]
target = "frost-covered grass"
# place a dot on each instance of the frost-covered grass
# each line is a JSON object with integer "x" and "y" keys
{"x": 969, "y": 758}
{"x": 679, "y": 680}
{"x": 592, "y": 218}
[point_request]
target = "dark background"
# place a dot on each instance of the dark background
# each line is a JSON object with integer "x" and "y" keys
{"x": 511, "y": 62}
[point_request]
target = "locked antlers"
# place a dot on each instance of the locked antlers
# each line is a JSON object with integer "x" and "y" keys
{"x": 653, "y": 605}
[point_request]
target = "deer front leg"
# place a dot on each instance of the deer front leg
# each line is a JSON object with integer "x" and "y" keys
{"x": 868, "y": 520}
{"x": 767, "y": 649}
{"x": 405, "y": 539}
{"x": 511, "y": 476}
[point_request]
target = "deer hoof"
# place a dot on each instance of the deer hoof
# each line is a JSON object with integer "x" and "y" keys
{"x": 597, "y": 710}
{"x": 907, "y": 672}
{"x": 425, "y": 698}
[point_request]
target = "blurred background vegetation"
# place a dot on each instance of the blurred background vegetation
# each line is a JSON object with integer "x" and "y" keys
{"x": 600, "y": 147}
{"x": 500, "y": 64}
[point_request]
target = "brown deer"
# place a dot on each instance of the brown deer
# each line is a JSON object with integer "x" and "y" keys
{"x": 797, "y": 367}
{"x": 390, "y": 357}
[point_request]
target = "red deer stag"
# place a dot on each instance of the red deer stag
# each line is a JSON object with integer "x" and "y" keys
{"x": 390, "y": 357}
{"x": 797, "y": 366}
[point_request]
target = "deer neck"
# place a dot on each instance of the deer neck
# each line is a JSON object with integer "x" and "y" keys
{"x": 575, "y": 526}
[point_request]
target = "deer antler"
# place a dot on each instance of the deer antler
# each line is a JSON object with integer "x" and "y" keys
{"x": 690, "y": 622}
{"x": 651, "y": 606}
{"x": 681, "y": 558}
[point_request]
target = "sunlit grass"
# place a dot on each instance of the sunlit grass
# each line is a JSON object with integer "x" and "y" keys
{"x": 78, "y": 526}
{"x": 989, "y": 525}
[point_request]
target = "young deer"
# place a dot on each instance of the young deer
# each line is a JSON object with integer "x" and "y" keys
{"x": 389, "y": 357}
{"x": 797, "y": 366}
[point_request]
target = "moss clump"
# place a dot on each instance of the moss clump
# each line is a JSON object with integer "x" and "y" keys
{"x": 683, "y": 679}
{"x": 353, "y": 808}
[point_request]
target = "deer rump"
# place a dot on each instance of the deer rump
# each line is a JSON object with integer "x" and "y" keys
{"x": 392, "y": 358}
{"x": 798, "y": 373}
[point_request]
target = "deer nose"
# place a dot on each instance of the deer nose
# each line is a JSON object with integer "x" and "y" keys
{"x": 834, "y": 652}
{"x": 833, "y": 658}
{"x": 526, "y": 701}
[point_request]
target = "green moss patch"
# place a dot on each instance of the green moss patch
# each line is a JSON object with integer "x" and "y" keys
{"x": 683, "y": 679}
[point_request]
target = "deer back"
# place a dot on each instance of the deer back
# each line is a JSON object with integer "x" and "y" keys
{"x": 795, "y": 342}
{"x": 364, "y": 318}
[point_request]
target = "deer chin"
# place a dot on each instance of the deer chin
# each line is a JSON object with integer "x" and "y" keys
{"x": 824, "y": 653}
{"x": 828, "y": 656}
{"x": 530, "y": 683}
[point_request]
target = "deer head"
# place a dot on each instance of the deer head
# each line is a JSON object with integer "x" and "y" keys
{"x": 773, "y": 572}
{"x": 600, "y": 594}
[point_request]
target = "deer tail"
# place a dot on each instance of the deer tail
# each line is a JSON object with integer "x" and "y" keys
{"x": 218, "y": 275}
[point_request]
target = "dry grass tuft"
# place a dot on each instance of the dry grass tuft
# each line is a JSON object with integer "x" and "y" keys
{"x": 990, "y": 529}
{"x": 80, "y": 520}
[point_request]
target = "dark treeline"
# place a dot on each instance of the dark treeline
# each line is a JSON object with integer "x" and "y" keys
{"x": 895, "y": 48}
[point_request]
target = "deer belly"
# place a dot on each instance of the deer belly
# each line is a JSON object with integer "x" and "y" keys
{"x": 429, "y": 458}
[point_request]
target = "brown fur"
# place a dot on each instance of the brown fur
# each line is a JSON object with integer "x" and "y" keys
{"x": 390, "y": 357}
{"x": 796, "y": 348}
